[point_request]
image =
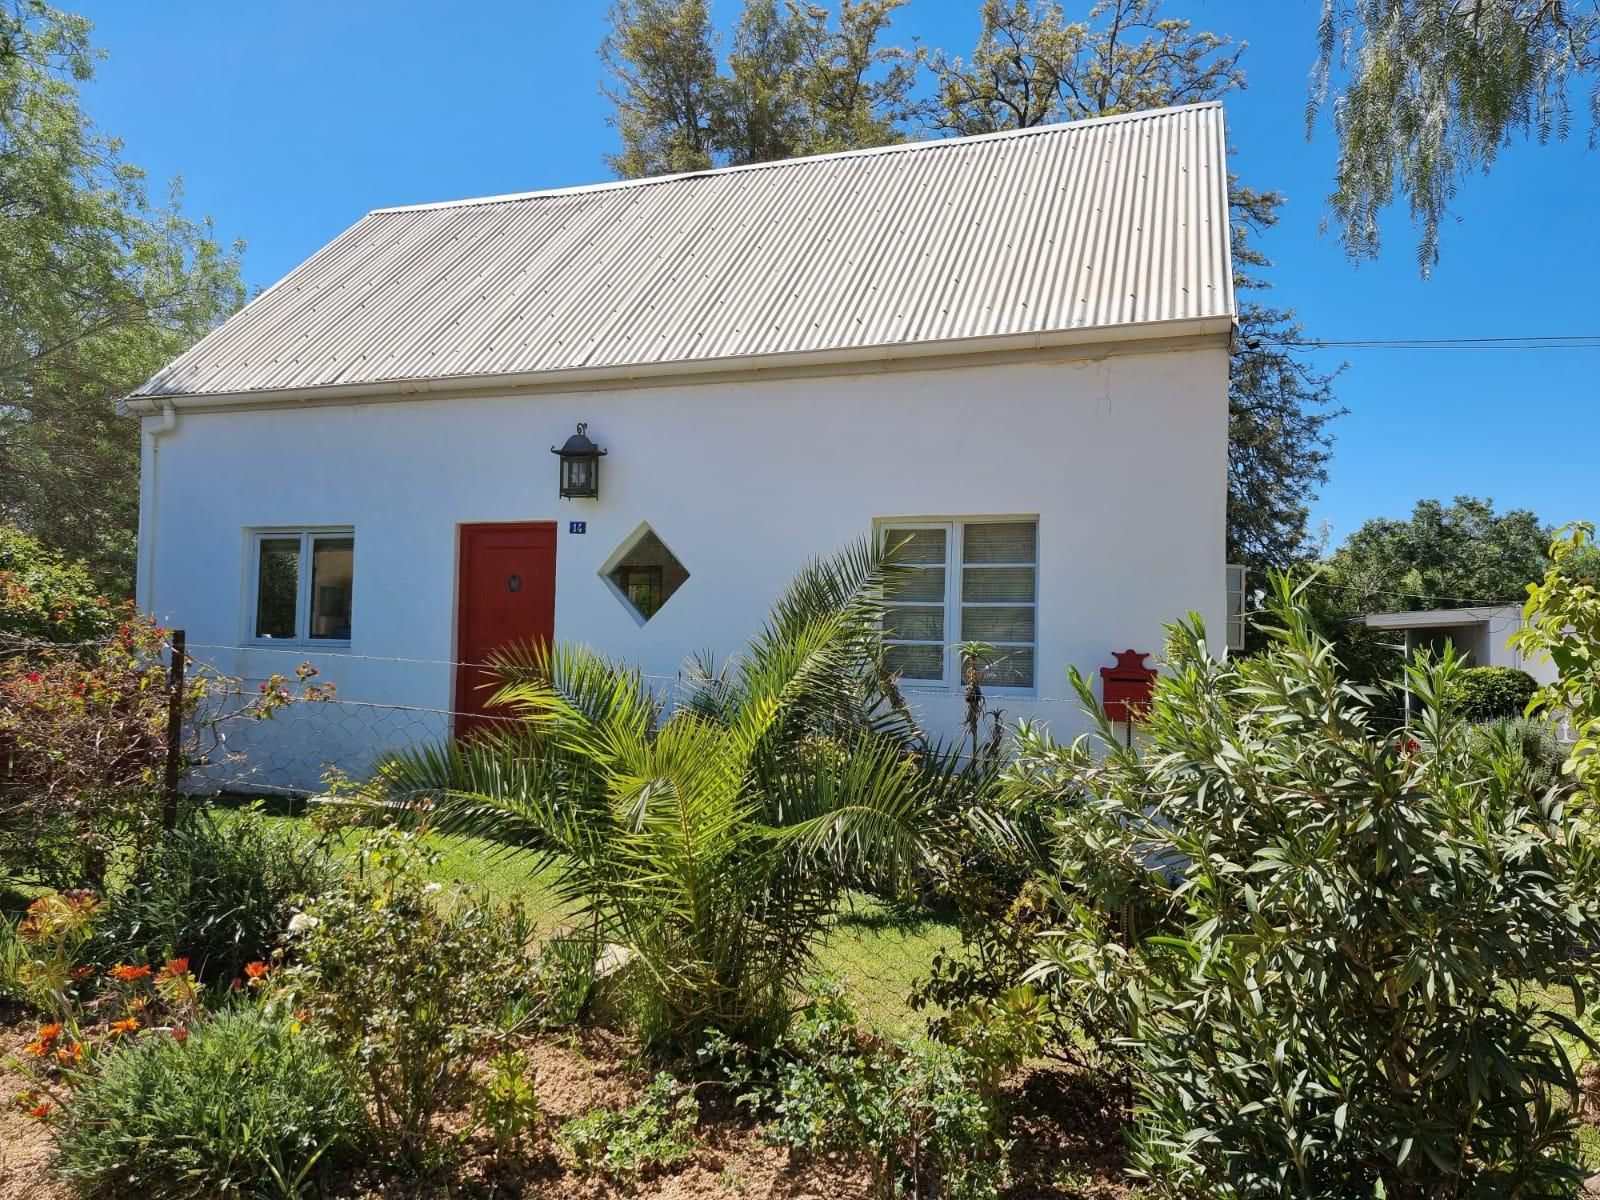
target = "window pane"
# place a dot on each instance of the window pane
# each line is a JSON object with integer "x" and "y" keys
{"x": 997, "y": 583}
{"x": 999, "y": 542}
{"x": 277, "y": 586}
{"x": 924, "y": 583}
{"x": 1012, "y": 667}
{"x": 997, "y": 624}
{"x": 333, "y": 572}
{"x": 648, "y": 575}
{"x": 916, "y": 545}
{"x": 917, "y": 624}
{"x": 916, "y": 662}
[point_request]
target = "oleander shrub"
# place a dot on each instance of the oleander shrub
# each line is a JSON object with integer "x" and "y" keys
{"x": 246, "y": 1105}
{"x": 1492, "y": 693}
{"x": 1341, "y": 961}
{"x": 218, "y": 890}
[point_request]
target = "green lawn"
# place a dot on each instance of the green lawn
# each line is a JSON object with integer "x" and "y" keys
{"x": 877, "y": 950}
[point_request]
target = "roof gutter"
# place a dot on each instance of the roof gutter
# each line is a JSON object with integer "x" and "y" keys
{"x": 841, "y": 361}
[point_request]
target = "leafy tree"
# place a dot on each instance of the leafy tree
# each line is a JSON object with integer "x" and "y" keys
{"x": 713, "y": 844}
{"x": 1031, "y": 67}
{"x": 1432, "y": 89}
{"x": 1332, "y": 956}
{"x": 800, "y": 79}
{"x": 663, "y": 62}
{"x": 1444, "y": 556}
{"x": 98, "y": 288}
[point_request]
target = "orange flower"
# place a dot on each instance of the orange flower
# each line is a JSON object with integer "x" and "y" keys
{"x": 40, "y": 1111}
{"x": 127, "y": 974}
{"x": 68, "y": 1055}
{"x": 177, "y": 966}
{"x": 79, "y": 974}
{"x": 256, "y": 969}
{"x": 126, "y": 1025}
{"x": 36, "y": 1049}
{"x": 180, "y": 1035}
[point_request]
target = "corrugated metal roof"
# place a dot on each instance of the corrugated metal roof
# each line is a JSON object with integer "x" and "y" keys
{"x": 1109, "y": 222}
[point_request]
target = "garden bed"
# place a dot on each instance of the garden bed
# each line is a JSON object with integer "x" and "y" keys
{"x": 1068, "y": 1140}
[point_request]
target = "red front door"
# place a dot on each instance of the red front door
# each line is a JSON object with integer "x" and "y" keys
{"x": 506, "y": 594}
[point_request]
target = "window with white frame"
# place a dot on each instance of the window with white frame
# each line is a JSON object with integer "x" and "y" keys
{"x": 964, "y": 581}
{"x": 1236, "y": 609}
{"x": 302, "y": 585}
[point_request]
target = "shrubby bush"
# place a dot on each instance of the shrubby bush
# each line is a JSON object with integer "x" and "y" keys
{"x": 406, "y": 988}
{"x": 1562, "y": 626}
{"x": 45, "y": 597}
{"x": 245, "y": 1105}
{"x": 1533, "y": 741}
{"x": 82, "y": 748}
{"x": 652, "y": 1135}
{"x": 1492, "y": 693}
{"x": 923, "y": 1114}
{"x": 218, "y": 892}
{"x": 1333, "y": 955}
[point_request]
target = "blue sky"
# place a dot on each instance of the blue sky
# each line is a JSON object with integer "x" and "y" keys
{"x": 288, "y": 121}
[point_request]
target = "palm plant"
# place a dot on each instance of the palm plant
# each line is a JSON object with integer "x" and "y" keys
{"x": 712, "y": 841}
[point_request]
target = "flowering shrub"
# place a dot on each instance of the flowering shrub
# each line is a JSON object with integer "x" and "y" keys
{"x": 89, "y": 1013}
{"x": 407, "y": 988}
{"x": 83, "y": 745}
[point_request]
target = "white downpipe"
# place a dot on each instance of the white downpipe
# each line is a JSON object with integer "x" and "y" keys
{"x": 149, "y": 511}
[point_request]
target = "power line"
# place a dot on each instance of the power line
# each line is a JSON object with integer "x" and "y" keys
{"x": 1463, "y": 601}
{"x": 1571, "y": 341}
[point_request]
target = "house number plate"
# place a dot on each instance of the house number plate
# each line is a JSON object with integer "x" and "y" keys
{"x": 577, "y": 527}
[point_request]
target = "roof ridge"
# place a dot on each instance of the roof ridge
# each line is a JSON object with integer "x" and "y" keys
{"x": 924, "y": 144}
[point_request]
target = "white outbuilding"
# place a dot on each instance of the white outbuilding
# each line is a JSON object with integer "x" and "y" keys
{"x": 1012, "y": 349}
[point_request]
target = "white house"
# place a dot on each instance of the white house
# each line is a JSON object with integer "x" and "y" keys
{"x": 1481, "y": 635}
{"x": 1015, "y": 346}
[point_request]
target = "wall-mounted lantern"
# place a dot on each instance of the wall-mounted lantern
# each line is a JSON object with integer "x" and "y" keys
{"x": 580, "y": 466}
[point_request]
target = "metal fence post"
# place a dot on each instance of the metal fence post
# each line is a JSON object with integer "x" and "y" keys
{"x": 169, "y": 792}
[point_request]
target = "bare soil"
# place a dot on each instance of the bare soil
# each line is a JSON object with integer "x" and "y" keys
{"x": 1068, "y": 1141}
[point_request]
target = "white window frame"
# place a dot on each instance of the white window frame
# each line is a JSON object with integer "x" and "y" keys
{"x": 308, "y": 535}
{"x": 1237, "y": 614}
{"x": 954, "y": 562}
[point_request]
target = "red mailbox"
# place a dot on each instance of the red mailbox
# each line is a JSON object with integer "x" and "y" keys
{"x": 1125, "y": 688}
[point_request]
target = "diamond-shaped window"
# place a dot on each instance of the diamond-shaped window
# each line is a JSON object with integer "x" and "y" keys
{"x": 645, "y": 574}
